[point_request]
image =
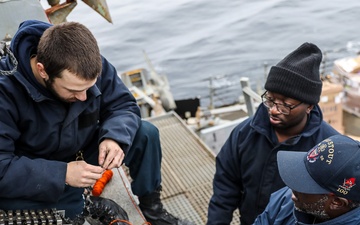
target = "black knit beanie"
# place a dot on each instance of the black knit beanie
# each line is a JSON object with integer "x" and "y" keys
{"x": 297, "y": 76}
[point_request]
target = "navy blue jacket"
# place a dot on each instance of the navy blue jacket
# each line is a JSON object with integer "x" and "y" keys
{"x": 246, "y": 167}
{"x": 280, "y": 211}
{"x": 39, "y": 134}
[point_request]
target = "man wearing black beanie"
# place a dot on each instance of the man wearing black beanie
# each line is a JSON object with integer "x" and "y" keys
{"x": 288, "y": 119}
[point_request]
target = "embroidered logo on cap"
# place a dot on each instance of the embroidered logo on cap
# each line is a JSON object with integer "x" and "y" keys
{"x": 313, "y": 154}
{"x": 346, "y": 186}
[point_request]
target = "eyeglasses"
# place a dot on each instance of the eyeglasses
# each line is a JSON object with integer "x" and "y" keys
{"x": 282, "y": 108}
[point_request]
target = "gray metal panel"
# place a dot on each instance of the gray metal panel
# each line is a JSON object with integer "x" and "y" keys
{"x": 13, "y": 12}
{"x": 119, "y": 190}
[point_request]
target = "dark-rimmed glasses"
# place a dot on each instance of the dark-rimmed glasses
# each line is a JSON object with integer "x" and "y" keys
{"x": 282, "y": 108}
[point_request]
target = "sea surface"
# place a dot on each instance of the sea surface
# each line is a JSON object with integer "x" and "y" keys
{"x": 193, "y": 41}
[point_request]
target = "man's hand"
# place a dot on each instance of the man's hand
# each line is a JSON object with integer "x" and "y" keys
{"x": 81, "y": 174}
{"x": 110, "y": 154}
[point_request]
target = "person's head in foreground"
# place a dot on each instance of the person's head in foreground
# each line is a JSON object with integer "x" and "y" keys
{"x": 324, "y": 179}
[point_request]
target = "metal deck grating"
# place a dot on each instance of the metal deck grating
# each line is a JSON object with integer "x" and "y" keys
{"x": 188, "y": 168}
{"x": 181, "y": 206}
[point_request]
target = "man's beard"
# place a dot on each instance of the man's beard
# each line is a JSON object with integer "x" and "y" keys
{"x": 50, "y": 87}
{"x": 316, "y": 209}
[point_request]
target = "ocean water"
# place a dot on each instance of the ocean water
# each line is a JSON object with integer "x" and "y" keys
{"x": 193, "y": 41}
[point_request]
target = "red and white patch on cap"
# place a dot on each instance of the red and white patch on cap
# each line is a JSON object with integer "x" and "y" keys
{"x": 346, "y": 186}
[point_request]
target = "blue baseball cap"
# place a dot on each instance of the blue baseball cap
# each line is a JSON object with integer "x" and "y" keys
{"x": 332, "y": 166}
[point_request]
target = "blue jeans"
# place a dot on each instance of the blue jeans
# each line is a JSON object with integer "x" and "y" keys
{"x": 143, "y": 160}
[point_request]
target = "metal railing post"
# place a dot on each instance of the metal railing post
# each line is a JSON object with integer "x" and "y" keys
{"x": 249, "y": 95}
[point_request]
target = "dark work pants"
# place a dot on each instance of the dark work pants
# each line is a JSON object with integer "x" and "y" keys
{"x": 143, "y": 160}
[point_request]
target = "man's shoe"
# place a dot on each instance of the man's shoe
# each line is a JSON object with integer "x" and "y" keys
{"x": 163, "y": 218}
{"x": 153, "y": 210}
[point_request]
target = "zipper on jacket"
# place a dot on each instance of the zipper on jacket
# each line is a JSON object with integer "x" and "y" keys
{"x": 79, "y": 155}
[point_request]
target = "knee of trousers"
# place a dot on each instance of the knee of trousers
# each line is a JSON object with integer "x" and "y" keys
{"x": 147, "y": 141}
{"x": 148, "y": 129}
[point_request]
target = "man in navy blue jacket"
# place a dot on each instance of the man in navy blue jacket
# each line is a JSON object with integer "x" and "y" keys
{"x": 322, "y": 185}
{"x": 289, "y": 119}
{"x": 61, "y": 102}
